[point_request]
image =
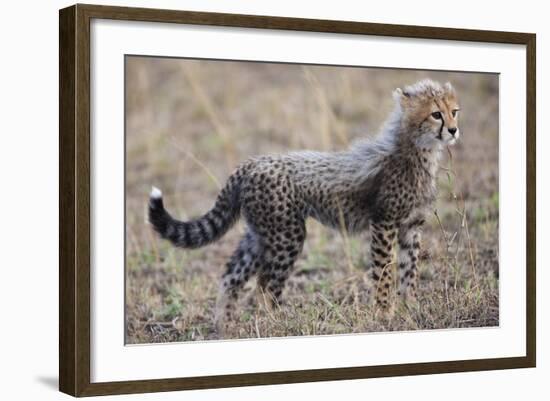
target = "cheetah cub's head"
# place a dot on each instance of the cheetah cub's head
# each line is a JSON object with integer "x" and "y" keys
{"x": 429, "y": 112}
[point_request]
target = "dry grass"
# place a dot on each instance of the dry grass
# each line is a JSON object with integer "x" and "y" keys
{"x": 190, "y": 122}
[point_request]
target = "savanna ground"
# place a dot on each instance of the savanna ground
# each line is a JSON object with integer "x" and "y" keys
{"x": 189, "y": 123}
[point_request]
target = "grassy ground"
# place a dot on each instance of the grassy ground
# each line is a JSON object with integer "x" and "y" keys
{"x": 190, "y": 122}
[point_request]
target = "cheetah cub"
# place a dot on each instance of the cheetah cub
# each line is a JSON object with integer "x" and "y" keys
{"x": 386, "y": 185}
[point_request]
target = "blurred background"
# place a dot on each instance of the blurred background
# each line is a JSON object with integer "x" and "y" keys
{"x": 190, "y": 122}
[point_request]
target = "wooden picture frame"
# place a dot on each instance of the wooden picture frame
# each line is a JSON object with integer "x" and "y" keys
{"x": 75, "y": 199}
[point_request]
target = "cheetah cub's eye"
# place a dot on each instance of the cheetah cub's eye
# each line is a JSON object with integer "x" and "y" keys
{"x": 436, "y": 115}
{"x": 454, "y": 112}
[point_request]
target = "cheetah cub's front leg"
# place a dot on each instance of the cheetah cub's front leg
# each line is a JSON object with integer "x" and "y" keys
{"x": 409, "y": 248}
{"x": 381, "y": 250}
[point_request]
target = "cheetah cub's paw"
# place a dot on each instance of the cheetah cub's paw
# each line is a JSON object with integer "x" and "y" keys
{"x": 408, "y": 301}
{"x": 221, "y": 325}
{"x": 384, "y": 313}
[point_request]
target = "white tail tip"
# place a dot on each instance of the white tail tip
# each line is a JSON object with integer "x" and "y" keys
{"x": 156, "y": 193}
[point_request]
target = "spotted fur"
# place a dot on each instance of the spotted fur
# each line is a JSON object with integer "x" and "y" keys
{"x": 385, "y": 185}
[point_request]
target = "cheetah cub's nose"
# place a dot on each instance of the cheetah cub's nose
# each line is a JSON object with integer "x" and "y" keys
{"x": 452, "y": 131}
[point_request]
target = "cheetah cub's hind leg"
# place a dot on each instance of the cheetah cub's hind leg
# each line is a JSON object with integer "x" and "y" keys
{"x": 381, "y": 269}
{"x": 285, "y": 244}
{"x": 241, "y": 266}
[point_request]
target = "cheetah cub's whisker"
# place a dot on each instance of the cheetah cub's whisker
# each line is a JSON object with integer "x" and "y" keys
{"x": 386, "y": 185}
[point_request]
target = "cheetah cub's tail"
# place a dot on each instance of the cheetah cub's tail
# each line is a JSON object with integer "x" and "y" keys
{"x": 197, "y": 232}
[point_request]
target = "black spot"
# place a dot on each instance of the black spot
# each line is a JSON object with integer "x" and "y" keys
{"x": 380, "y": 252}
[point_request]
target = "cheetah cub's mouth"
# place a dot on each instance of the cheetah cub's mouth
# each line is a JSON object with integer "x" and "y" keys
{"x": 451, "y": 139}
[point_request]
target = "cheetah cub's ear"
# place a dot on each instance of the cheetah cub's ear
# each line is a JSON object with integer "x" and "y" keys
{"x": 401, "y": 96}
{"x": 449, "y": 88}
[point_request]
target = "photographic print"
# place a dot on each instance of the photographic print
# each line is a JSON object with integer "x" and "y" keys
{"x": 279, "y": 200}
{"x": 301, "y": 200}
